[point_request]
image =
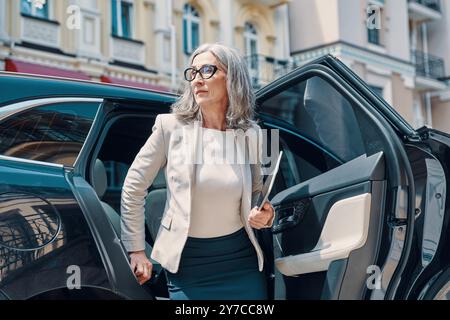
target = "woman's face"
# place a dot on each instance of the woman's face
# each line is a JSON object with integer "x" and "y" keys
{"x": 212, "y": 91}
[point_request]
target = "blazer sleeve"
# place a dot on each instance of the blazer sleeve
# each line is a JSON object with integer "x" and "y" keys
{"x": 150, "y": 159}
{"x": 256, "y": 168}
{"x": 257, "y": 172}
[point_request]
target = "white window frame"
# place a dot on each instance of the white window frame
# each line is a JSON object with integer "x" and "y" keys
{"x": 250, "y": 36}
{"x": 190, "y": 18}
{"x": 3, "y": 33}
{"x": 118, "y": 18}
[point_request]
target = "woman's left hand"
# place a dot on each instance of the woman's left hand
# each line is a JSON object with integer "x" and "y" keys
{"x": 259, "y": 219}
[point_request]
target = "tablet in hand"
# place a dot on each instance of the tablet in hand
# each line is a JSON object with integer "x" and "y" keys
{"x": 267, "y": 187}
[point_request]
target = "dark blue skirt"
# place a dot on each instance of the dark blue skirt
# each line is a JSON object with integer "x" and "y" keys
{"x": 220, "y": 268}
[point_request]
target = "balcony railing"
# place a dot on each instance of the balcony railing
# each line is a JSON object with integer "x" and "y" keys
{"x": 427, "y": 65}
{"x": 431, "y": 4}
{"x": 264, "y": 69}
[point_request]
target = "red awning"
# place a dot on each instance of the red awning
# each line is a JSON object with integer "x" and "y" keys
{"x": 27, "y": 67}
{"x": 135, "y": 84}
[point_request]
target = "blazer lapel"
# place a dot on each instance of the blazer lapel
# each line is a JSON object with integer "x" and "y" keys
{"x": 196, "y": 141}
{"x": 246, "y": 175}
{"x": 187, "y": 150}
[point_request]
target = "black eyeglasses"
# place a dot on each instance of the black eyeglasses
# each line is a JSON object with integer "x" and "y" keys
{"x": 206, "y": 71}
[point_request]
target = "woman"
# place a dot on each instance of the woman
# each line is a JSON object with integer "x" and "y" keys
{"x": 205, "y": 243}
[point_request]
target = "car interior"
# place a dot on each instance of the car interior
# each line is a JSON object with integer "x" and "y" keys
{"x": 311, "y": 149}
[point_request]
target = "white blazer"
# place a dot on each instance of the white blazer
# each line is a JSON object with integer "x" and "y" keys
{"x": 166, "y": 148}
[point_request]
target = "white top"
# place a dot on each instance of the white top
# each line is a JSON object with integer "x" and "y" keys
{"x": 218, "y": 188}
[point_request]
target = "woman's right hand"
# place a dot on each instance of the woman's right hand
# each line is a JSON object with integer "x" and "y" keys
{"x": 141, "y": 266}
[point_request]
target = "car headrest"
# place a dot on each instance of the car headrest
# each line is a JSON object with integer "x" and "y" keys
{"x": 99, "y": 179}
{"x": 318, "y": 90}
{"x": 334, "y": 119}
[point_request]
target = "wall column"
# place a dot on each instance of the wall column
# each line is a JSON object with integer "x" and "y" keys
{"x": 226, "y": 21}
{"x": 3, "y": 32}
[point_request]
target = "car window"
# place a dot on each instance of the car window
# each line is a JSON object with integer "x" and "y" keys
{"x": 51, "y": 133}
{"x": 315, "y": 110}
{"x": 118, "y": 136}
{"x": 301, "y": 160}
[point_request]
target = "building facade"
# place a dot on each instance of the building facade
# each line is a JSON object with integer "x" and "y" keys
{"x": 399, "y": 47}
{"x": 144, "y": 43}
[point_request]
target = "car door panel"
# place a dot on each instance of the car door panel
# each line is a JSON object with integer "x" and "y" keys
{"x": 358, "y": 170}
{"x": 88, "y": 176}
{"x": 105, "y": 201}
{"x": 63, "y": 121}
{"x": 337, "y": 221}
{"x": 345, "y": 230}
{"x": 321, "y": 192}
{"x": 43, "y": 232}
{"x": 112, "y": 252}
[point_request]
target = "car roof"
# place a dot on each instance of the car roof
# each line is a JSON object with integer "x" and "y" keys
{"x": 21, "y": 86}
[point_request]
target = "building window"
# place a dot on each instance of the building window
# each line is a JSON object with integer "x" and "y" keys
{"x": 35, "y": 8}
{"x": 373, "y": 34}
{"x": 251, "y": 39}
{"x": 191, "y": 29}
{"x": 251, "y": 50}
{"x": 122, "y": 18}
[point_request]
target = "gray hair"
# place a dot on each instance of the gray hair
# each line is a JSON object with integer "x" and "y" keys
{"x": 240, "y": 111}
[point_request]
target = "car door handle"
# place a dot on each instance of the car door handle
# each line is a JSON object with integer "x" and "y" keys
{"x": 290, "y": 214}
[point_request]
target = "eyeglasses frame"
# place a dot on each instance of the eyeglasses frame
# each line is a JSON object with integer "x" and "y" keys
{"x": 198, "y": 71}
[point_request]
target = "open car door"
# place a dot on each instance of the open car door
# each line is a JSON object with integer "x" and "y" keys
{"x": 344, "y": 193}
{"x": 331, "y": 224}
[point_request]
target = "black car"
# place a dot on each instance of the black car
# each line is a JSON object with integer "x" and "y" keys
{"x": 360, "y": 197}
